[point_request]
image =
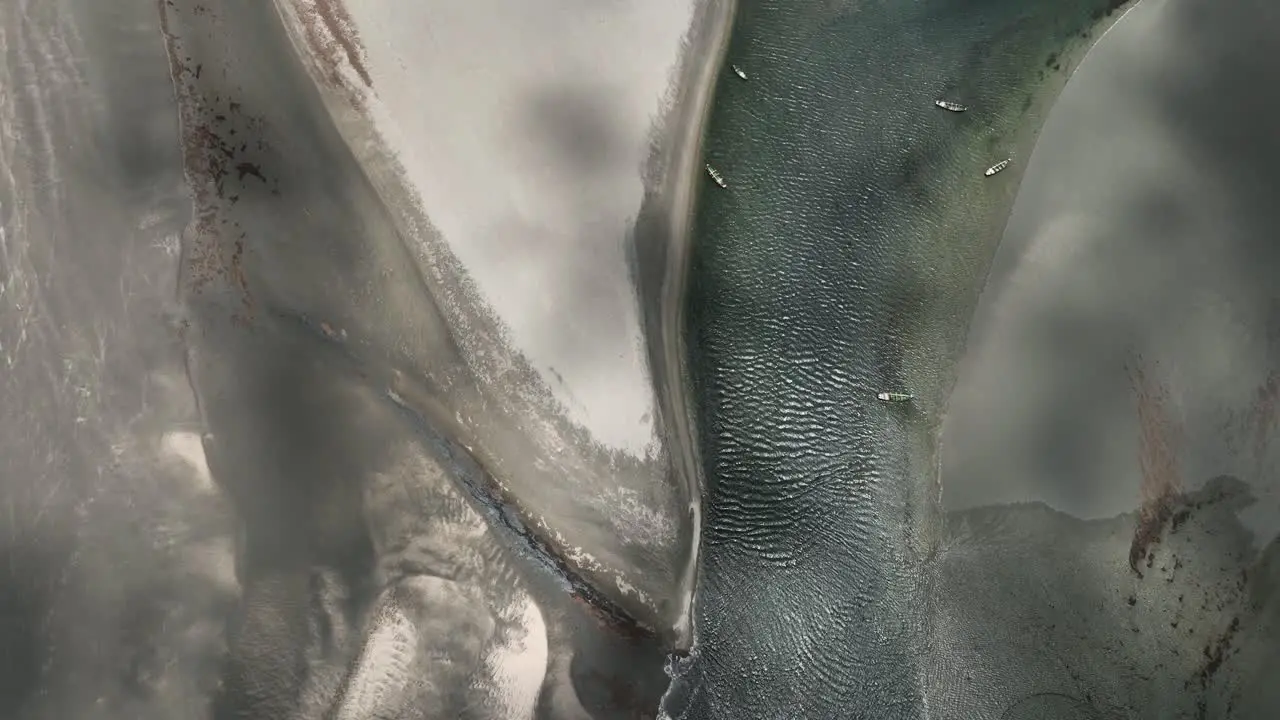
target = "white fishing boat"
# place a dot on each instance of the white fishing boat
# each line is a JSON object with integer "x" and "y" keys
{"x": 895, "y": 397}
{"x": 997, "y": 167}
{"x": 952, "y": 106}
{"x": 715, "y": 175}
{"x": 738, "y": 71}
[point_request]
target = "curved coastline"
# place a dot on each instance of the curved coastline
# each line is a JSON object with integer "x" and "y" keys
{"x": 1024, "y": 142}
{"x": 657, "y": 248}
{"x": 937, "y": 381}
{"x": 1107, "y": 480}
{"x": 708, "y": 47}
{"x": 1069, "y": 60}
{"x": 305, "y": 297}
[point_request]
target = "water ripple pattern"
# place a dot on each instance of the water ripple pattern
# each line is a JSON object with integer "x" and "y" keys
{"x": 854, "y": 232}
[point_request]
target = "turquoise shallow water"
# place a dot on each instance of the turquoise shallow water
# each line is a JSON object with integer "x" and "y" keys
{"x": 843, "y": 259}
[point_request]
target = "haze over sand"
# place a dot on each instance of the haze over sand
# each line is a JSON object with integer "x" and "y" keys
{"x": 146, "y": 578}
{"x": 539, "y": 169}
{"x": 116, "y": 549}
{"x": 1110, "y": 460}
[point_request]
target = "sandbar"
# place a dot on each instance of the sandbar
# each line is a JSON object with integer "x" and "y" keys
{"x": 575, "y": 164}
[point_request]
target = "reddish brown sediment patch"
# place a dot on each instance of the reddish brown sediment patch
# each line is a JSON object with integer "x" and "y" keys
{"x": 1161, "y": 488}
{"x": 332, "y": 36}
{"x": 215, "y": 162}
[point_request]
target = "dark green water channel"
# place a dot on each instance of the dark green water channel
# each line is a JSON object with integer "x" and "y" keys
{"x": 843, "y": 259}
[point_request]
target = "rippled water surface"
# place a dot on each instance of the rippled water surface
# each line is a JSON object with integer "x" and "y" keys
{"x": 218, "y": 501}
{"x": 845, "y": 258}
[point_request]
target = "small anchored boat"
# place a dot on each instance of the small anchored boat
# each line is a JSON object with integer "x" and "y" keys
{"x": 997, "y": 167}
{"x": 715, "y": 175}
{"x": 952, "y": 106}
{"x": 895, "y": 397}
{"x": 738, "y": 71}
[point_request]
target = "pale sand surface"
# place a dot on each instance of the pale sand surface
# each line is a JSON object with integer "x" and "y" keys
{"x": 545, "y": 189}
{"x": 523, "y": 130}
{"x": 1110, "y": 466}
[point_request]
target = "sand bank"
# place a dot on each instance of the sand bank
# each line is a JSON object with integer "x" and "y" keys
{"x": 1071, "y": 256}
{"x": 536, "y": 176}
{"x": 957, "y": 276}
{"x": 1057, "y": 70}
